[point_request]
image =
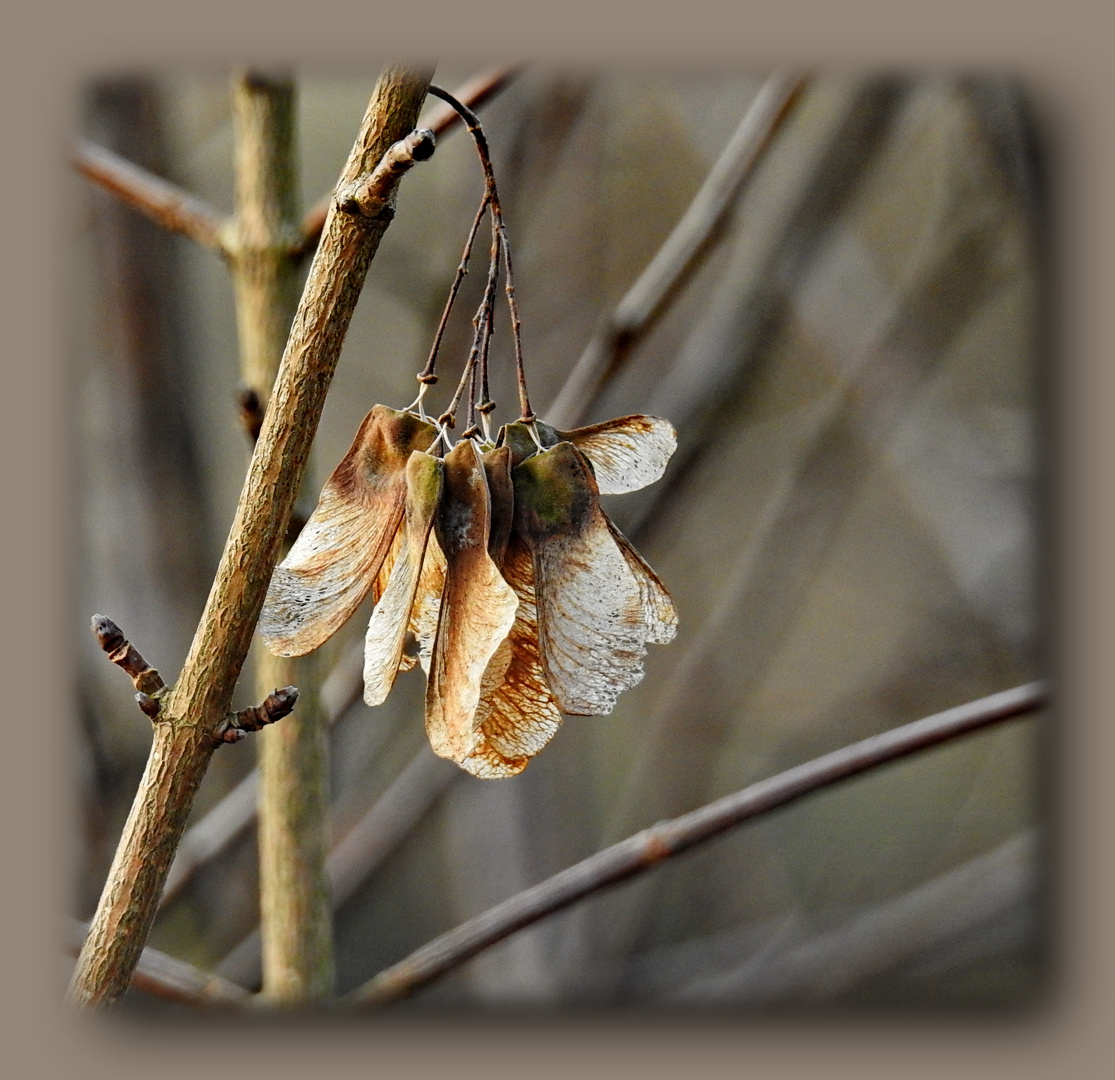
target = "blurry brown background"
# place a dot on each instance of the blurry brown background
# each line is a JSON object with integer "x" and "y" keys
{"x": 850, "y": 528}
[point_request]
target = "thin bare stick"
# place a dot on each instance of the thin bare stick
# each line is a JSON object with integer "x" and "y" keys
{"x": 172, "y": 980}
{"x": 472, "y": 122}
{"x": 427, "y": 375}
{"x": 369, "y": 195}
{"x": 475, "y": 92}
{"x": 196, "y": 705}
{"x": 164, "y": 202}
{"x": 690, "y": 239}
{"x": 340, "y": 690}
{"x": 638, "y": 853}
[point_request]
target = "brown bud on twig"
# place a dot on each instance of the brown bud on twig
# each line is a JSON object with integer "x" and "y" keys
{"x": 251, "y": 412}
{"x": 273, "y": 707}
{"x": 368, "y": 196}
{"x": 123, "y": 653}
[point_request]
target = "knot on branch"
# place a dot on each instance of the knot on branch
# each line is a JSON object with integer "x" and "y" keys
{"x": 124, "y": 654}
{"x": 251, "y": 411}
{"x": 368, "y": 196}
{"x": 273, "y": 707}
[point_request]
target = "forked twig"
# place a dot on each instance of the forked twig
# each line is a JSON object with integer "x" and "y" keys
{"x": 638, "y": 853}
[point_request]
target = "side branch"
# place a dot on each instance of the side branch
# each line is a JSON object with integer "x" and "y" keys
{"x": 638, "y": 853}
{"x": 474, "y": 92}
{"x": 164, "y": 202}
{"x": 370, "y": 196}
{"x": 125, "y": 655}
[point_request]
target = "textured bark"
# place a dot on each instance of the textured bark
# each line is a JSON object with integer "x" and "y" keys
{"x": 184, "y": 735}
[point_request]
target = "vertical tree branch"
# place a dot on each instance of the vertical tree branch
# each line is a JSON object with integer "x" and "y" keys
{"x": 193, "y": 709}
{"x": 295, "y": 912}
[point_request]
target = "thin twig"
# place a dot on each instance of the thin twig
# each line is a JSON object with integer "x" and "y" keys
{"x": 638, "y": 853}
{"x": 191, "y": 711}
{"x": 340, "y": 690}
{"x": 164, "y": 202}
{"x": 293, "y": 758}
{"x": 472, "y": 122}
{"x": 370, "y": 195}
{"x": 173, "y": 980}
{"x": 428, "y": 375}
{"x": 475, "y": 92}
{"x": 676, "y": 259}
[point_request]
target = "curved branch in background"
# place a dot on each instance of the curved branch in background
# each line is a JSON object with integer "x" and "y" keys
{"x": 477, "y": 90}
{"x": 638, "y": 853}
{"x": 363, "y": 848}
{"x": 172, "y": 980}
{"x": 639, "y": 309}
{"x": 165, "y": 203}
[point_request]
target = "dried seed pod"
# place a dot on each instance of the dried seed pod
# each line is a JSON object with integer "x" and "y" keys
{"x": 349, "y": 538}
{"x": 591, "y": 628}
{"x": 477, "y": 606}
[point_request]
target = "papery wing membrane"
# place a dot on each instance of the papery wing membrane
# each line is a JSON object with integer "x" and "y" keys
{"x": 477, "y": 606}
{"x": 590, "y": 605}
{"x": 659, "y": 613}
{"x": 517, "y": 714}
{"x": 387, "y": 629}
{"x": 627, "y": 453}
{"x": 342, "y": 548}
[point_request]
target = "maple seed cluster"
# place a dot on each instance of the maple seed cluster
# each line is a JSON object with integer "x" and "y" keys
{"x": 524, "y": 599}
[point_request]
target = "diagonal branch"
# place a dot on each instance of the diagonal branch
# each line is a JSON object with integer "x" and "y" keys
{"x": 191, "y": 711}
{"x": 640, "y": 852}
{"x": 645, "y": 301}
{"x": 159, "y": 199}
{"x": 477, "y": 90}
{"x": 170, "y": 979}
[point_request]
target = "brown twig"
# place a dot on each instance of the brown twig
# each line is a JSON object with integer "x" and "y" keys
{"x": 164, "y": 202}
{"x": 370, "y": 195}
{"x": 172, "y": 980}
{"x": 125, "y": 655}
{"x": 193, "y": 709}
{"x": 475, "y": 92}
{"x": 499, "y": 229}
{"x": 427, "y": 374}
{"x": 638, "y": 853}
{"x": 676, "y": 259}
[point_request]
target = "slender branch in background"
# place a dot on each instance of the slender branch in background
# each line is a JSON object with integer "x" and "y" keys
{"x": 340, "y": 690}
{"x": 640, "y": 852}
{"x": 682, "y": 252}
{"x": 160, "y": 200}
{"x": 364, "y": 847}
{"x": 295, "y": 912}
{"x": 173, "y": 980}
{"x": 477, "y": 90}
{"x": 193, "y": 708}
